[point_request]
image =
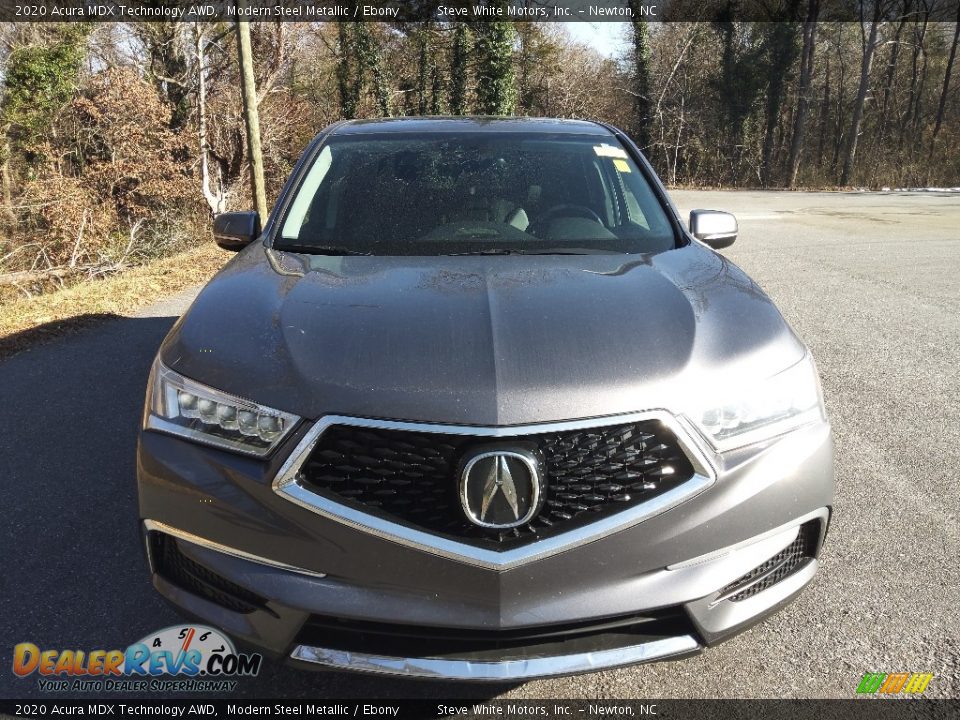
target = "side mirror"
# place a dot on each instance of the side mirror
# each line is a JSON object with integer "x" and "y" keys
{"x": 235, "y": 230}
{"x": 717, "y": 229}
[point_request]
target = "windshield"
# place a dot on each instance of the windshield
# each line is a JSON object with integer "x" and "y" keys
{"x": 474, "y": 193}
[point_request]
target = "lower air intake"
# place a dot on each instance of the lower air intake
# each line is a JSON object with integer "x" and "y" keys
{"x": 779, "y": 567}
{"x": 176, "y": 568}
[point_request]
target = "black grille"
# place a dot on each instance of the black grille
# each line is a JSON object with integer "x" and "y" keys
{"x": 175, "y": 567}
{"x": 492, "y": 644}
{"x": 412, "y": 477}
{"x": 779, "y": 567}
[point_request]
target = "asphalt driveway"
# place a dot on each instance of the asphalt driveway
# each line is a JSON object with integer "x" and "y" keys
{"x": 870, "y": 281}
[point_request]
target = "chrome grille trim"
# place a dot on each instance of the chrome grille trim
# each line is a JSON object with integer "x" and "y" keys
{"x": 288, "y": 485}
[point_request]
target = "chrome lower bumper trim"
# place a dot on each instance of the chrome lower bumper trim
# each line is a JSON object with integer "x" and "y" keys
{"x": 527, "y": 669}
{"x": 154, "y": 526}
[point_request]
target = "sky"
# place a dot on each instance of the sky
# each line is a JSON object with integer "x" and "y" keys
{"x": 607, "y": 38}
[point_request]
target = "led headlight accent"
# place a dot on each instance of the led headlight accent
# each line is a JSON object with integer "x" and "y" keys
{"x": 762, "y": 410}
{"x": 180, "y": 406}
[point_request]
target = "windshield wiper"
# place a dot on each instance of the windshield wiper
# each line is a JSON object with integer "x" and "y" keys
{"x": 573, "y": 251}
{"x": 539, "y": 251}
{"x": 492, "y": 251}
{"x": 319, "y": 249}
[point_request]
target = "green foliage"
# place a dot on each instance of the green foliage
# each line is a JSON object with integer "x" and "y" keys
{"x": 496, "y": 82}
{"x": 359, "y": 55}
{"x": 40, "y": 80}
{"x": 642, "y": 82}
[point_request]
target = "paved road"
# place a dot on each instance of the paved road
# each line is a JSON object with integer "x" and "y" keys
{"x": 869, "y": 281}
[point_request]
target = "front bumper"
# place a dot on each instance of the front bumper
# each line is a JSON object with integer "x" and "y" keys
{"x": 321, "y": 593}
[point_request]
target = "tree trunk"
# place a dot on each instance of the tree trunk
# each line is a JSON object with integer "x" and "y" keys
{"x": 251, "y": 118}
{"x": 841, "y": 82}
{"x": 5, "y": 185}
{"x": 824, "y": 116}
{"x": 919, "y": 35}
{"x": 782, "y": 42}
{"x": 642, "y": 82}
{"x": 215, "y": 199}
{"x": 891, "y": 75}
{"x": 168, "y": 66}
{"x": 458, "y": 70}
{"x": 370, "y": 58}
{"x": 436, "y": 92}
{"x": 423, "y": 72}
{"x": 946, "y": 83}
{"x": 918, "y": 103}
{"x": 868, "y": 51}
{"x": 496, "y": 82}
{"x": 347, "y": 85}
{"x": 803, "y": 90}
{"x": 731, "y": 114}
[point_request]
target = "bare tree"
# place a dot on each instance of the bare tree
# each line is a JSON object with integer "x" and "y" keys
{"x": 216, "y": 198}
{"x": 946, "y": 82}
{"x": 803, "y": 90}
{"x": 892, "y": 72}
{"x": 917, "y": 71}
{"x": 869, "y": 48}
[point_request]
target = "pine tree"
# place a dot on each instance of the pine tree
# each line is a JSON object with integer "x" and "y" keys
{"x": 496, "y": 83}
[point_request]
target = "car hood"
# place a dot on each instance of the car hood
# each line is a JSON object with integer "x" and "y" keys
{"x": 484, "y": 340}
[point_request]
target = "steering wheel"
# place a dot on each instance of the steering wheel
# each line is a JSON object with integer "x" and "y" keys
{"x": 568, "y": 210}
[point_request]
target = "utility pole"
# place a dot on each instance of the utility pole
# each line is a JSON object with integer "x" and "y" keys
{"x": 251, "y": 116}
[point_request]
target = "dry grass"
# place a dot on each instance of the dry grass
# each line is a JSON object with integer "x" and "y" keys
{"x": 25, "y": 321}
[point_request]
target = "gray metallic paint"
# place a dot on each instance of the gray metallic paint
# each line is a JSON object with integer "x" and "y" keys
{"x": 483, "y": 341}
{"x": 478, "y": 340}
{"x": 229, "y": 500}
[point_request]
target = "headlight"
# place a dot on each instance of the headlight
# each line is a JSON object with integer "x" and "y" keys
{"x": 180, "y": 406}
{"x": 749, "y": 413}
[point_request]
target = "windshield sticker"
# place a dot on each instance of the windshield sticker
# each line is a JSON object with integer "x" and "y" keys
{"x": 621, "y": 165}
{"x": 610, "y": 151}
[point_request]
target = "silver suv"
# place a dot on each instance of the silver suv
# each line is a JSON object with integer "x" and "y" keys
{"x": 474, "y": 404}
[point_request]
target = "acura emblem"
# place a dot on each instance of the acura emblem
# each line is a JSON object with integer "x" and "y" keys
{"x": 501, "y": 489}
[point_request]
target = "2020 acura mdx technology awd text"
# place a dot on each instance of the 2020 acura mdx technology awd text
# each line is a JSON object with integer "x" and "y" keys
{"x": 475, "y": 404}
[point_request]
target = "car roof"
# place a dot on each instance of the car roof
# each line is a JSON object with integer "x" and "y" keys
{"x": 471, "y": 124}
